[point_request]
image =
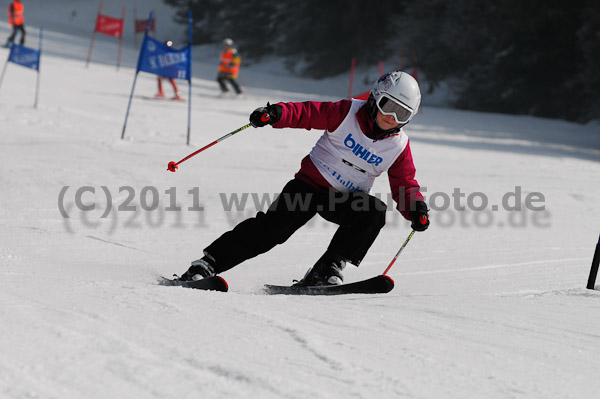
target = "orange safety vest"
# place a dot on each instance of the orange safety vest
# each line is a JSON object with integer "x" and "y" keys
{"x": 230, "y": 62}
{"x": 15, "y": 13}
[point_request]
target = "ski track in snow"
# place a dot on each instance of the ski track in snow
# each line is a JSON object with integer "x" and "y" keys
{"x": 491, "y": 307}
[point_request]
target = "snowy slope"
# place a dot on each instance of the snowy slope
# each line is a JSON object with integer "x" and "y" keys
{"x": 486, "y": 304}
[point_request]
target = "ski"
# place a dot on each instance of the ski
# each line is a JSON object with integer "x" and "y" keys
{"x": 215, "y": 283}
{"x": 376, "y": 285}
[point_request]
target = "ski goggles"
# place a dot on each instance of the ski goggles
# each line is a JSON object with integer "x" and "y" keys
{"x": 401, "y": 112}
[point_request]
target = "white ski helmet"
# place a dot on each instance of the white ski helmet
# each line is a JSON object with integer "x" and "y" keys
{"x": 228, "y": 42}
{"x": 398, "y": 94}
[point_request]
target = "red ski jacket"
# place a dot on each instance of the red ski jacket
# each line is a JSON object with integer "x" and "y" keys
{"x": 328, "y": 116}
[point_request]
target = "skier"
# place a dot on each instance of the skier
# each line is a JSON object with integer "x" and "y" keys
{"x": 362, "y": 139}
{"x": 229, "y": 68}
{"x": 161, "y": 94}
{"x": 16, "y": 20}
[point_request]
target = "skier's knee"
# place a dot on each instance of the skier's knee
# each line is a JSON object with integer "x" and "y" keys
{"x": 378, "y": 214}
{"x": 370, "y": 209}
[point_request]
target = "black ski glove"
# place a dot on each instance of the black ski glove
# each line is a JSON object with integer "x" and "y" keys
{"x": 265, "y": 115}
{"x": 419, "y": 216}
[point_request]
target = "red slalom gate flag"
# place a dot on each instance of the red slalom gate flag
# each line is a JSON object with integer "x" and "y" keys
{"x": 109, "y": 26}
{"x": 140, "y": 25}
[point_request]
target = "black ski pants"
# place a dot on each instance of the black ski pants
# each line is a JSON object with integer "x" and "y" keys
{"x": 222, "y": 78}
{"x": 360, "y": 217}
{"x": 17, "y": 28}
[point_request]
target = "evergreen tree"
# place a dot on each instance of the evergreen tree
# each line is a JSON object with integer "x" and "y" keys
{"x": 589, "y": 77}
{"x": 206, "y": 15}
{"x": 537, "y": 57}
{"x": 515, "y": 56}
{"x": 324, "y": 36}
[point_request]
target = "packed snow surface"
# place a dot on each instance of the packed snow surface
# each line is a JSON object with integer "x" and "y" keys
{"x": 489, "y": 302}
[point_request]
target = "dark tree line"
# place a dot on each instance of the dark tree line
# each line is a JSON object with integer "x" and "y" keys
{"x": 535, "y": 57}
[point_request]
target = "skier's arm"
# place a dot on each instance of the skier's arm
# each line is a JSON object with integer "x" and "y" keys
{"x": 11, "y": 10}
{"x": 313, "y": 115}
{"x": 405, "y": 189}
{"x": 236, "y": 60}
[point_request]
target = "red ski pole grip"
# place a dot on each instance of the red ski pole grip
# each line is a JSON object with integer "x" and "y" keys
{"x": 423, "y": 219}
{"x": 265, "y": 117}
{"x": 172, "y": 167}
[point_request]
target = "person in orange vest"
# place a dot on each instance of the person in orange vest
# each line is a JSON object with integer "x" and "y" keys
{"x": 229, "y": 68}
{"x": 16, "y": 20}
{"x": 160, "y": 93}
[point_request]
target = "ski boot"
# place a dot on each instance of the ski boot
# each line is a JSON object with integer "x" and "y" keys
{"x": 201, "y": 268}
{"x": 160, "y": 94}
{"x": 327, "y": 271}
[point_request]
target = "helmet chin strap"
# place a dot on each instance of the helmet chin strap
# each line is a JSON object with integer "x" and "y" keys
{"x": 382, "y": 134}
{"x": 379, "y": 133}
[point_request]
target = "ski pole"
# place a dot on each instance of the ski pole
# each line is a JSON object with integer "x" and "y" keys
{"x": 172, "y": 167}
{"x": 423, "y": 220}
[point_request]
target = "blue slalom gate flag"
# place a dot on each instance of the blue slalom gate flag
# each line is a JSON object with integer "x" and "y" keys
{"x": 158, "y": 58}
{"x": 28, "y": 58}
{"x": 25, "y": 56}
